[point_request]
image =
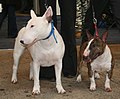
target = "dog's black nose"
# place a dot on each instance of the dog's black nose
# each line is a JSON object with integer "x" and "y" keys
{"x": 21, "y": 41}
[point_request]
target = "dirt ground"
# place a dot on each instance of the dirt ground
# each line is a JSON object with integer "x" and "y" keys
{"x": 75, "y": 90}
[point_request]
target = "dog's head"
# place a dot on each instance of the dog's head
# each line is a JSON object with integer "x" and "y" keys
{"x": 94, "y": 47}
{"x": 37, "y": 27}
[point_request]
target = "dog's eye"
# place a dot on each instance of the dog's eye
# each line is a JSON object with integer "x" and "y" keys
{"x": 32, "y": 26}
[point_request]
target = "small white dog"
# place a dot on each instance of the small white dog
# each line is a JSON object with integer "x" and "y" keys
{"x": 46, "y": 47}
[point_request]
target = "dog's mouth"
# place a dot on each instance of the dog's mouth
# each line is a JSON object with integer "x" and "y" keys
{"x": 90, "y": 58}
{"x": 87, "y": 59}
{"x": 96, "y": 55}
{"x": 30, "y": 44}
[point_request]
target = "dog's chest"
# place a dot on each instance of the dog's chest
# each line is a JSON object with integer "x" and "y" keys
{"x": 47, "y": 56}
{"x": 103, "y": 62}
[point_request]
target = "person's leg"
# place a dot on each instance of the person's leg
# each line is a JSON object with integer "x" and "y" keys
{"x": 99, "y": 6}
{"x": 68, "y": 16}
{"x": 24, "y": 4}
{"x": 51, "y": 3}
{"x": 12, "y": 25}
{"x": 115, "y": 6}
{"x": 3, "y": 14}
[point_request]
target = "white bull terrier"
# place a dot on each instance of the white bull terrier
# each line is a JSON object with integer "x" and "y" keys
{"x": 45, "y": 45}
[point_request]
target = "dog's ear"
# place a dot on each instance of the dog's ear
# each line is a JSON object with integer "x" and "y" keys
{"x": 89, "y": 36}
{"x": 48, "y": 14}
{"x": 104, "y": 36}
{"x": 32, "y": 14}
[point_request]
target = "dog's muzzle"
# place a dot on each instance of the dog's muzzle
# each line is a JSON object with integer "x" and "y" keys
{"x": 28, "y": 45}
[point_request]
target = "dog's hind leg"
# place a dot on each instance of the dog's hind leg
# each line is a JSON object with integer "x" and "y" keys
{"x": 31, "y": 71}
{"x": 79, "y": 70}
{"x": 18, "y": 51}
{"x": 80, "y": 61}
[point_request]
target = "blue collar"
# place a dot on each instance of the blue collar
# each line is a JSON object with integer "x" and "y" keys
{"x": 51, "y": 33}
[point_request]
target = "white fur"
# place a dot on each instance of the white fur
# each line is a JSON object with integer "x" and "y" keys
{"x": 44, "y": 52}
{"x": 101, "y": 63}
{"x": 79, "y": 78}
{"x": 92, "y": 83}
{"x": 87, "y": 51}
{"x": 107, "y": 82}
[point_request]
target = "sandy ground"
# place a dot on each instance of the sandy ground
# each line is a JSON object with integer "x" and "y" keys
{"x": 75, "y": 90}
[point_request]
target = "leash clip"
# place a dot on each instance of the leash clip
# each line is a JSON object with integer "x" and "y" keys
{"x": 94, "y": 20}
{"x": 46, "y": 6}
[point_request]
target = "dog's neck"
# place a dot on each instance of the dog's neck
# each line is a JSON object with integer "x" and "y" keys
{"x": 50, "y": 40}
{"x": 51, "y": 33}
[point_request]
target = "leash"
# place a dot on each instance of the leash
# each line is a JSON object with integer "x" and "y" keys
{"x": 46, "y": 4}
{"x": 95, "y": 21}
{"x": 52, "y": 25}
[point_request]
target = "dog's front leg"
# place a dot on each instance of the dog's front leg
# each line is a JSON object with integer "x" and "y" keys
{"x": 107, "y": 84}
{"x": 92, "y": 80}
{"x": 18, "y": 51}
{"x": 58, "y": 70}
{"x": 92, "y": 83}
{"x": 36, "y": 87}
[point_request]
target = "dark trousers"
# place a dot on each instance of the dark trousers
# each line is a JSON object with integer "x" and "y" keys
{"x": 51, "y": 3}
{"x": 115, "y": 7}
{"x": 12, "y": 26}
{"x": 99, "y": 6}
{"x": 68, "y": 15}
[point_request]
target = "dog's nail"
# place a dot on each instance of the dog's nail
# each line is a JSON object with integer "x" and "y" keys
{"x": 14, "y": 82}
{"x": 108, "y": 89}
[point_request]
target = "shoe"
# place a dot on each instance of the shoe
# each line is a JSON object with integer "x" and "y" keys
{"x": 69, "y": 76}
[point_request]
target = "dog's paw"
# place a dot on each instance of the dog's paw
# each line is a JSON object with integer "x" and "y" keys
{"x": 92, "y": 87}
{"x": 108, "y": 89}
{"x": 36, "y": 91}
{"x": 14, "y": 80}
{"x": 60, "y": 89}
{"x": 79, "y": 78}
{"x": 97, "y": 76}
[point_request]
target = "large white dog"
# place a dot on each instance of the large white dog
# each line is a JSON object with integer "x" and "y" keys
{"x": 45, "y": 45}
